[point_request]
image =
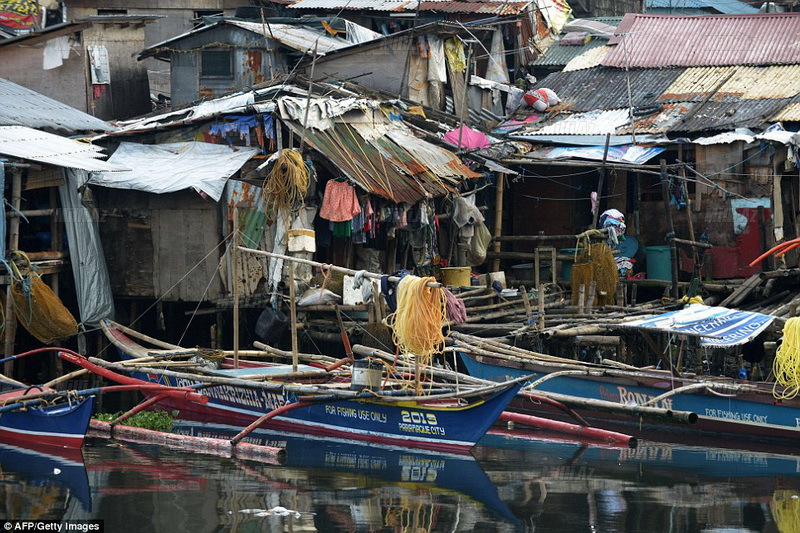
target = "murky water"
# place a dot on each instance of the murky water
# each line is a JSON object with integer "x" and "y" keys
{"x": 509, "y": 484}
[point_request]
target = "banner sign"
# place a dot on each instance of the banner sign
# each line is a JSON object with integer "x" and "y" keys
{"x": 19, "y": 14}
{"x": 717, "y": 326}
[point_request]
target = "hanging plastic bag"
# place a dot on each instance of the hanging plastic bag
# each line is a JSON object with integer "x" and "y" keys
{"x": 479, "y": 245}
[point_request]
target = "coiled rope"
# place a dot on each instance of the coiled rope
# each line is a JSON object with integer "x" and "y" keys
{"x": 417, "y": 323}
{"x": 785, "y": 508}
{"x": 287, "y": 183}
{"x": 787, "y": 362}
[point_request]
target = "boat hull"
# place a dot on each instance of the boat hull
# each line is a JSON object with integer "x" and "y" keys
{"x": 61, "y": 425}
{"x": 442, "y": 426}
{"x": 754, "y": 415}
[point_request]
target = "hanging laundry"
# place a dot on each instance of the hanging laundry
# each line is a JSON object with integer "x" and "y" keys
{"x": 98, "y": 59}
{"x": 497, "y": 69}
{"x": 454, "y": 50}
{"x": 55, "y": 52}
{"x": 339, "y": 202}
{"x": 437, "y": 69}
{"x": 614, "y": 221}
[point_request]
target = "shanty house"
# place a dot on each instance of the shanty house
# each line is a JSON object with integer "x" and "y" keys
{"x": 230, "y": 55}
{"x": 157, "y": 232}
{"x": 524, "y": 24}
{"x": 49, "y": 215}
{"x": 712, "y": 97}
{"x": 87, "y": 64}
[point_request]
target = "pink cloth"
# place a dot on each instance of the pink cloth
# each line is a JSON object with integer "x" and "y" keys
{"x": 339, "y": 203}
{"x": 470, "y": 138}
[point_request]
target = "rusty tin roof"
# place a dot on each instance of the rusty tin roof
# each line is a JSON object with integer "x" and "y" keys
{"x": 645, "y": 40}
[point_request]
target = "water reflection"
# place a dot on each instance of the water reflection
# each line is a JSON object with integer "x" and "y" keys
{"x": 511, "y": 484}
{"x": 557, "y": 485}
{"x": 42, "y": 483}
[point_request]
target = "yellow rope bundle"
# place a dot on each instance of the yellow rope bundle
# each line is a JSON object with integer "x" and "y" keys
{"x": 786, "y": 510}
{"x": 417, "y": 323}
{"x": 787, "y": 362}
{"x": 287, "y": 183}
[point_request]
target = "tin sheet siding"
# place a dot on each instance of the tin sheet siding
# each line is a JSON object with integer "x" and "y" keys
{"x": 709, "y": 40}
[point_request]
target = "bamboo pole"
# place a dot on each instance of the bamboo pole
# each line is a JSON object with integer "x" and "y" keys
{"x": 326, "y": 266}
{"x": 670, "y": 228}
{"x": 498, "y": 218}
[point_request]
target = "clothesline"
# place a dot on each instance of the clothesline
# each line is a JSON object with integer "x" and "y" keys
{"x": 326, "y": 266}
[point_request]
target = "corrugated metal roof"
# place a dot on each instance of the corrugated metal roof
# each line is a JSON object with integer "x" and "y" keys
{"x": 300, "y": 38}
{"x": 444, "y": 6}
{"x": 709, "y": 40}
{"x": 607, "y": 88}
{"x": 396, "y": 166}
{"x": 726, "y": 7}
{"x": 790, "y": 113}
{"x": 24, "y": 107}
{"x": 560, "y": 55}
{"x": 694, "y": 117}
{"x": 746, "y": 83}
{"x": 487, "y": 8}
{"x": 295, "y": 36}
{"x": 590, "y": 123}
{"x": 590, "y": 58}
{"x": 677, "y": 100}
{"x": 602, "y": 27}
{"x": 41, "y": 147}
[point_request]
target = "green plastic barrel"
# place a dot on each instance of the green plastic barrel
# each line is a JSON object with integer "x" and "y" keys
{"x": 659, "y": 263}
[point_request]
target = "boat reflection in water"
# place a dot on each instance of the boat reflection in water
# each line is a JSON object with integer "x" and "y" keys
{"x": 360, "y": 487}
{"x": 45, "y": 483}
{"x": 565, "y": 486}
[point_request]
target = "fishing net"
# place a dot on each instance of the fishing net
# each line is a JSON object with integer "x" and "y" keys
{"x": 37, "y": 307}
{"x": 596, "y": 263}
{"x": 378, "y": 335}
{"x": 331, "y": 280}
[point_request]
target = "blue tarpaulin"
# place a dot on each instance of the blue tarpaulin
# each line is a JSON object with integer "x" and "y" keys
{"x": 717, "y": 326}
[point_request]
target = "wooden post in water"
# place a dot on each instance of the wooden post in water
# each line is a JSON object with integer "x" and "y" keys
{"x": 498, "y": 218}
{"x": 235, "y": 281}
{"x": 13, "y": 244}
{"x": 293, "y": 314}
{"x": 673, "y": 250}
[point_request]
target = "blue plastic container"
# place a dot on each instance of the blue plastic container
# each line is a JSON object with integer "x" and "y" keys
{"x": 659, "y": 262}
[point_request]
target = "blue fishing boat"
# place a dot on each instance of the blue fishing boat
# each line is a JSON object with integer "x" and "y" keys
{"x": 326, "y": 404}
{"x": 625, "y": 396}
{"x": 62, "y": 423}
{"x": 720, "y": 406}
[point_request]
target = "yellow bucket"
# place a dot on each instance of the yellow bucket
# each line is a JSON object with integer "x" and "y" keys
{"x": 456, "y": 276}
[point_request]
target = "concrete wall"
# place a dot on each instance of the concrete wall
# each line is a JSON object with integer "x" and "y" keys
{"x": 67, "y": 83}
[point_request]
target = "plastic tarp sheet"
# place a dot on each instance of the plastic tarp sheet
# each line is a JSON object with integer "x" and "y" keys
{"x": 718, "y": 327}
{"x": 92, "y": 284}
{"x": 616, "y": 154}
{"x": 172, "y": 167}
